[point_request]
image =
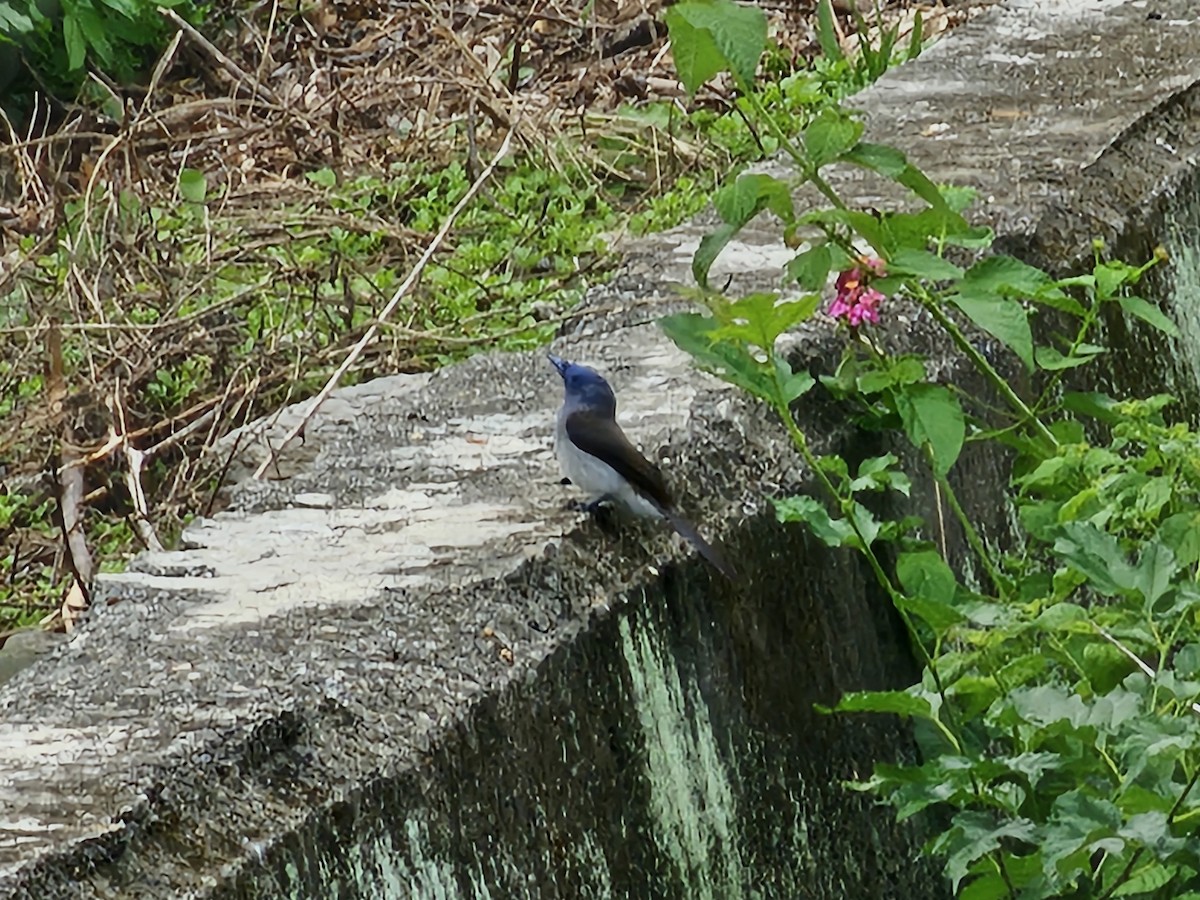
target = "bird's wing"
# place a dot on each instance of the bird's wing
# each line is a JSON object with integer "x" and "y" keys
{"x": 603, "y": 438}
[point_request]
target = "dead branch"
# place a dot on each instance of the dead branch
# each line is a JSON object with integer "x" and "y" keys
{"x": 71, "y": 489}
{"x": 133, "y": 473}
{"x": 231, "y": 68}
{"x": 400, "y": 293}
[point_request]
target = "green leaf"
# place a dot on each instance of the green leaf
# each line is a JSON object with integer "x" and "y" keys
{"x": 937, "y": 616}
{"x": 811, "y": 268}
{"x": 866, "y": 526}
{"x": 1149, "y": 879}
{"x": 737, "y": 33}
{"x": 749, "y": 195}
{"x": 1094, "y": 405}
{"x": 74, "y": 40}
{"x": 1181, "y": 532}
{"x": 916, "y": 42}
{"x": 922, "y": 264}
{"x": 827, "y": 32}
{"x": 326, "y": 177}
{"x": 1111, "y": 276}
{"x": 924, "y": 573}
{"x": 832, "y": 532}
{"x": 737, "y": 204}
{"x": 759, "y": 319}
{"x": 1064, "y": 617}
{"x": 1149, "y": 313}
{"x": 96, "y": 32}
{"x": 878, "y": 474}
{"x": 896, "y": 702}
{"x": 126, "y": 8}
{"x": 1155, "y": 569}
{"x": 829, "y": 135}
{"x": 1096, "y": 555}
{"x": 881, "y": 158}
{"x": 1008, "y": 276}
{"x": 797, "y": 385}
{"x": 931, "y": 588}
{"x": 709, "y": 249}
{"x": 697, "y": 57}
{"x": 14, "y": 23}
{"x": 975, "y": 834}
{"x": 192, "y": 185}
{"x": 933, "y": 418}
{"x": 988, "y": 296}
{"x": 695, "y": 335}
{"x": 1052, "y": 360}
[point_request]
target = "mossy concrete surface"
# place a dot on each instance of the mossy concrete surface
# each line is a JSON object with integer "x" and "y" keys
{"x": 399, "y": 667}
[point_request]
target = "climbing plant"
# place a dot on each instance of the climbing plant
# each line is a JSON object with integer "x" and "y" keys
{"x": 1060, "y": 697}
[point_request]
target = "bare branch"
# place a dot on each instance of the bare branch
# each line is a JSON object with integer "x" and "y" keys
{"x": 401, "y": 292}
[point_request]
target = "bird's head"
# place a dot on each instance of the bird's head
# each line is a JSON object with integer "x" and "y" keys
{"x": 585, "y": 388}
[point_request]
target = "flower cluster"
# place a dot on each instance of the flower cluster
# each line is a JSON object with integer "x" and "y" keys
{"x": 854, "y": 301}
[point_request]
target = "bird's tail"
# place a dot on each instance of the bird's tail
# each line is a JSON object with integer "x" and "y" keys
{"x": 707, "y": 550}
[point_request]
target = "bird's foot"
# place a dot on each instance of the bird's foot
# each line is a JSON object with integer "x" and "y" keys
{"x": 599, "y": 509}
{"x": 584, "y": 506}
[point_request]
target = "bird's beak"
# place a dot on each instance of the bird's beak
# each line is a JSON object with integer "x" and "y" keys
{"x": 560, "y": 364}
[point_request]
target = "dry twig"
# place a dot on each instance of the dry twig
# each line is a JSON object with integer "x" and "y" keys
{"x": 401, "y": 292}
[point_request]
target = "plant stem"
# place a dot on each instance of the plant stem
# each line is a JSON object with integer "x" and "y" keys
{"x": 989, "y": 372}
{"x": 973, "y": 538}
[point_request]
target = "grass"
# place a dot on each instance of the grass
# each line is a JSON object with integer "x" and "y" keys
{"x": 200, "y": 306}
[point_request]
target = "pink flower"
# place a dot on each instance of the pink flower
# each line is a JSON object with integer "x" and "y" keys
{"x": 853, "y": 300}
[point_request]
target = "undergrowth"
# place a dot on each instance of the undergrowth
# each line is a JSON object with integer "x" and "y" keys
{"x": 190, "y": 306}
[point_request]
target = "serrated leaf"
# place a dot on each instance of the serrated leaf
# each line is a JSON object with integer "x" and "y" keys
{"x": 1004, "y": 318}
{"x": 810, "y": 269}
{"x": 832, "y": 532}
{"x": 1149, "y": 313}
{"x": 975, "y": 834}
{"x": 694, "y": 334}
{"x": 933, "y": 418}
{"x": 923, "y": 264}
{"x": 1096, "y": 555}
{"x": 738, "y": 33}
{"x": 830, "y": 134}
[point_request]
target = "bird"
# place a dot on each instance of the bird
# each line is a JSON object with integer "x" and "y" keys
{"x": 597, "y": 457}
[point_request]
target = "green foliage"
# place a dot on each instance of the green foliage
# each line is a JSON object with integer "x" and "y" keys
{"x": 117, "y": 37}
{"x": 1060, "y": 700}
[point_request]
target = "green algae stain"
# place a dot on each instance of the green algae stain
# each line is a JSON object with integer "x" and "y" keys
{"x": 691, "y": 794}
{"x": 1184, "y": 277}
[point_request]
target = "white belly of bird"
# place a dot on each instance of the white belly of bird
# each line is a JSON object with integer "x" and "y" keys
{"x": 597, "y": 478}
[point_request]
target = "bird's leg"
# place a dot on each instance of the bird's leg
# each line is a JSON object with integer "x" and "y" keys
{"x": 596, "y": 505}
{"x": 592, "y": 507}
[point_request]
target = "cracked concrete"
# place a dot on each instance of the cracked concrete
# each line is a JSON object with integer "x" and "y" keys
{"x": 398, "y": 667}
